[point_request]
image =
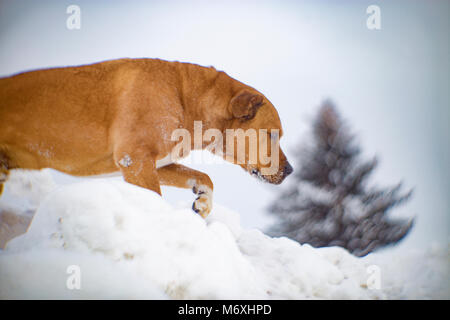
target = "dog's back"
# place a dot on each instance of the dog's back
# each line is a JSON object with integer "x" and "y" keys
{"x": 45, "y": 113}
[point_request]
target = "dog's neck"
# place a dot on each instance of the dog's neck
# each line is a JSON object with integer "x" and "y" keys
{"x": 206, "y": 96}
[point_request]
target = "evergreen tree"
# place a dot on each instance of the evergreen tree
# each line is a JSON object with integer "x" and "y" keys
{"x": 329, "y": 203}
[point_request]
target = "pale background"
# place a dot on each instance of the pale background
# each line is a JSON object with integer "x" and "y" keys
{"x": 391, "y": 84}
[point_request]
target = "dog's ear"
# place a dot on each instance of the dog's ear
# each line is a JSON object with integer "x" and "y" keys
{"x": 245, "y": 104}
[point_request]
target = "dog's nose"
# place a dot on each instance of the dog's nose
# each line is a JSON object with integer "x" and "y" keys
{"x": 287, "y": 169}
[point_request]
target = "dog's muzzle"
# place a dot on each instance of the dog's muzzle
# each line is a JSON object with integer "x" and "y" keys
{"x": 274, "y": 179}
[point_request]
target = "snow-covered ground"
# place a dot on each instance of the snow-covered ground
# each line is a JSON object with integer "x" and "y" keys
{"x": 127, "y": 242}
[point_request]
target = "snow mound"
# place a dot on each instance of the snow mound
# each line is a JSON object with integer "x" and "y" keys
{"x": 130, "y": 243}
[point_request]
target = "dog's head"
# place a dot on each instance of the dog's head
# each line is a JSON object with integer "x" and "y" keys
{"x": 256, "y": 129}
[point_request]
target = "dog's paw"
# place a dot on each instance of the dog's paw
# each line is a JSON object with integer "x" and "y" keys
{"x": 203, "y": 204}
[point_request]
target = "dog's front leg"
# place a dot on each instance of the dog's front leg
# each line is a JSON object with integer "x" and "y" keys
{"x": 177, "y": 175}
{"x": 138, "y": 167}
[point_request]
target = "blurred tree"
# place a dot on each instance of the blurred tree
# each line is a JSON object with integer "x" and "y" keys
{"x": 329, "y": 203}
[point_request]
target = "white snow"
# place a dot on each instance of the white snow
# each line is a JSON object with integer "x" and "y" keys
{"x": 125, "y": 161}
{"x": 130, "y": 243}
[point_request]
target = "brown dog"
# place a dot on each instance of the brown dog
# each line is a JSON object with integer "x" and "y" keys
{"x": 119, "y": 115}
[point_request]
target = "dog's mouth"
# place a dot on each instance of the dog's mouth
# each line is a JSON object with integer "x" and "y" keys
{"x": 257, "y": 174}
{"x": 272, "y": 179}
{"x": 276, "y": 178}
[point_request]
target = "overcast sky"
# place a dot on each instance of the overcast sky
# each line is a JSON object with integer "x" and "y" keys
{"x": 392, "y": 85}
